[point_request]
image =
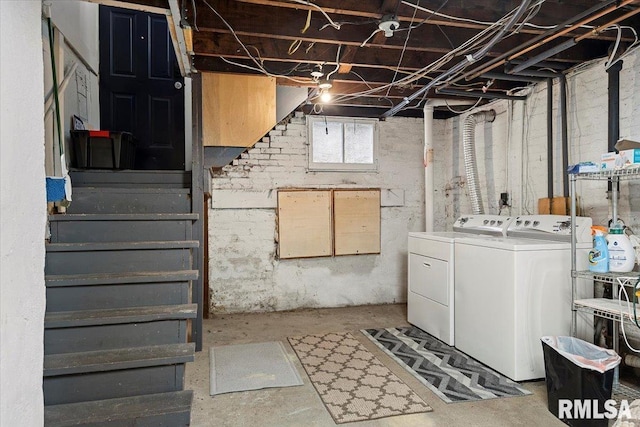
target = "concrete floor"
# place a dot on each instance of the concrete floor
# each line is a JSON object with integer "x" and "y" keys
{"x": 301, "y": 406}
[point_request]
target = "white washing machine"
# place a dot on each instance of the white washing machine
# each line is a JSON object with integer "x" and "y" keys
{"x": 430, "y": 304}
{"x": 511, "y": 291}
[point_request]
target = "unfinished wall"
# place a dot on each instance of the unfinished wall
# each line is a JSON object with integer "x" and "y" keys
{"x": 244, "y": 272}
{"x": 23, "y": 213}
{"x": 512, "y": 151}
{"x": 76, "y": 50}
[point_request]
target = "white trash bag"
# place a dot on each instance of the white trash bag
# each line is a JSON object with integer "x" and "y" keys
{"x": 584, "y": 354}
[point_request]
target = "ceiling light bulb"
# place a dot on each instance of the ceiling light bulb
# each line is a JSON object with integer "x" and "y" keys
{"x": 325, "y": 96}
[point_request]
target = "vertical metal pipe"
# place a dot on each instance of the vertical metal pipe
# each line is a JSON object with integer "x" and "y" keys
{"x": 565, "y": 137}
{"x": 614, "y": 114}
{"x": 550, "y": 138}
{"x": 574, "y": 317}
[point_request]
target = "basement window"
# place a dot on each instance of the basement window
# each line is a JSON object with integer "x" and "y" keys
{"x": 342, "y": 143}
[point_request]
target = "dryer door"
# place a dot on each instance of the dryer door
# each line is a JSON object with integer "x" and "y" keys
{"x": 429, "y": 277}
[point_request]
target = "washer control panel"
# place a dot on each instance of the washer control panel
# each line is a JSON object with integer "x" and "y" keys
{"x": 550, "y": 227}
{"x": 483, "y": 224}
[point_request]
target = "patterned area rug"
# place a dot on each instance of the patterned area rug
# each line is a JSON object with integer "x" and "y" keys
{"x": 352, "y": 383}
{"x": 450, "y": 374}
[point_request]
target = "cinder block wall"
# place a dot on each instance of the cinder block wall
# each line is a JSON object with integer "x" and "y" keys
{"x": 244, "y": 272}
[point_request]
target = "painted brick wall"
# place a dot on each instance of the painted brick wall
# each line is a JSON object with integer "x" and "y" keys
{"x": 244, "y": 272}
{"x": 512, "y": 157}
{"x": 512, "y": 152}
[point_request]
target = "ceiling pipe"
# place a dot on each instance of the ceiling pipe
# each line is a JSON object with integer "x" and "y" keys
{"x": 583, "y": 18}
{"x": 510, "y": 77}
{"x": 571, "y": 42}
{"x": 536, "y": 73}
{"x": 480, "y": 94}
{"x": 461, "y": 65}
{"x": 544, "y": 55}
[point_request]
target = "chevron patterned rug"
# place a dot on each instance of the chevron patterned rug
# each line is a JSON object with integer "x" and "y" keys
{"x": 450, "y": 374}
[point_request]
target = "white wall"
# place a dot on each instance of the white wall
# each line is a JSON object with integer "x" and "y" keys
{"x": 244, "y": 272}
{"x": 23, "y": 214}
{"x": 512, "y": 151}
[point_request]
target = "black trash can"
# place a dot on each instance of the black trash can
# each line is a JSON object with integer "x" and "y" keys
{"x": 579, "y": 378}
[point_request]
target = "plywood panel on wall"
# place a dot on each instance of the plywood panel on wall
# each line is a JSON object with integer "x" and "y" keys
{"x": 237, "y": 109}
{"x": 356, "y": 221}
{"x": 304, "y": 223}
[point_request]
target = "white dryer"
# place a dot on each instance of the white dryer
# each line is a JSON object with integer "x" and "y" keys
{"x": 430, "y": 304}
{"x": 511, "y": 291}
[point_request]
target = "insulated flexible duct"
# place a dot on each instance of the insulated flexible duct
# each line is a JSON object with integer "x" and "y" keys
{"x": 470, "y": 164}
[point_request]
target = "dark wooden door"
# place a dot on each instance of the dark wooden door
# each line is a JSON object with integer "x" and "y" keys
{"x": 141, "y": 89}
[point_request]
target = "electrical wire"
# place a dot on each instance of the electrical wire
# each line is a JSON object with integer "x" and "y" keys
{"x": 471, "y": 21}
{"x": 308, "y": 3}
{"x": 404, "y": 48}
{"x": 337, "y": 63}
{"x": 612, "y": 57}
{"x": 259, "y": 67}
{"x": 463, "y": 111}
{"x": 622, "y": 282}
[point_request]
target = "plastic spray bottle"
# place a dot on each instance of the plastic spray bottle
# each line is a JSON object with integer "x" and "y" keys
{"x": 599, "y": 255}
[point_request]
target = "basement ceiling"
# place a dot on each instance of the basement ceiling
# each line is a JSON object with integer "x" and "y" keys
{"x": 387, "y": 57}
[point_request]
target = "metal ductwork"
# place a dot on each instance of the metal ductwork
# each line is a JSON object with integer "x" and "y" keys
{"x": 469, "y": 148}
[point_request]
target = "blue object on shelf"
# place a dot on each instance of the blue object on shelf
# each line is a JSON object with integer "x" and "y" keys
{"x": 55, "y": 189}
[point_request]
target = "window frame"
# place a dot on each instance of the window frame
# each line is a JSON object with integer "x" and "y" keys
{"x": 341, "y": 167}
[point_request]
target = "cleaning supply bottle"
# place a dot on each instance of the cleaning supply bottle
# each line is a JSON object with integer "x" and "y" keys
{"x": 621, "y": 253}
{"x": 599, "y": 255}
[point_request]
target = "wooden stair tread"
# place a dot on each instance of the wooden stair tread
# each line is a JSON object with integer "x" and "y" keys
{"x": 128, "y": 190}
{"x": 115, "y": 246}
{"x": 126, "y": 217}
{"x": 69, "y": 319}
{"x": 116, "y": 359}
{"x": 62, "y": 280}
{"x": 101, "y": 411}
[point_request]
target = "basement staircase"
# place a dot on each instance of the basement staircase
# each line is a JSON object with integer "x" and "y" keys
{"x": 119, "y": 281}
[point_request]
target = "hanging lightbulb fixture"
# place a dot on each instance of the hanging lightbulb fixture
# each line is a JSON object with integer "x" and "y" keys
{"x": 325, "y": 95}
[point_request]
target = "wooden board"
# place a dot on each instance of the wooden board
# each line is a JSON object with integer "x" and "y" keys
{"x": 304, "y": 223}
{"x": 555, "y": 206}
{"x": 356, "y": 221}
{"x": 237, "y": 109}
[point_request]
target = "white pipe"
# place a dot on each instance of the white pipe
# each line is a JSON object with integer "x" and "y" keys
{"x": 428, "y": 167}
{"x": 428, "y": 157}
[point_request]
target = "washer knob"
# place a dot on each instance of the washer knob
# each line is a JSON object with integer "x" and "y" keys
{"x": 536, "y": 223}
{"x": 493, "y": 221}
{"x": 485, "y": 222}
{"x": 526, "y": 223}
